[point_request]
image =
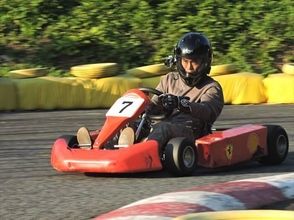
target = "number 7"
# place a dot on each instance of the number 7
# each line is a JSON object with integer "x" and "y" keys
{"x": 128, "y": 103}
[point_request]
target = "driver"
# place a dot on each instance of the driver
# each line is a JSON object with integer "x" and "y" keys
{"x": 192, "y": 99}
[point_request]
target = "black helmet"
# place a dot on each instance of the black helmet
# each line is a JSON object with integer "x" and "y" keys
{"x": 194, "y": 45}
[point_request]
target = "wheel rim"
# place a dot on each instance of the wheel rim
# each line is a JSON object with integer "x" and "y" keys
{"x": 188, "y": 156}
{"x": 282, "y": 145}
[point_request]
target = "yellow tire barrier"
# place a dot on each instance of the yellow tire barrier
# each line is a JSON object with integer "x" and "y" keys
{"x": 102, "y": 93}
{"x": 28, "y": 73}
{"x": 279, "y": 88}
{"x": 46, "y": 93}
{"x": 95, "y": 71}
{"x": 242, "y": 88}
{"x": 82, "y": 92}
{"x": 8, "y": 95}
{"x": 71, "y": 92}
{"x": 150, "y": 82}
{"x": 241, "y": 215}
{"x": 288, "y": 68}
{"x": 148, "y": 71}
{"x": 222, "y": 69}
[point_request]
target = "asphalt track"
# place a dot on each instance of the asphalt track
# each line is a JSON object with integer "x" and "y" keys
{"x": 31, "y": 189}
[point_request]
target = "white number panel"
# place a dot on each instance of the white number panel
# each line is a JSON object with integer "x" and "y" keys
{"x": 125, "y": 106}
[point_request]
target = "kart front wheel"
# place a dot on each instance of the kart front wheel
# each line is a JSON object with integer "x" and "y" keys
{"x": 277, "y": 145}
{"x": 180, "y": 157}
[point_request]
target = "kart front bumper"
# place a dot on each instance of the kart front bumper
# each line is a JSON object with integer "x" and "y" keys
{"x": 134, "y": 158}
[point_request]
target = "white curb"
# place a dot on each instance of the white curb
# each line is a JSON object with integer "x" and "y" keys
{"x": 233, "y": 195}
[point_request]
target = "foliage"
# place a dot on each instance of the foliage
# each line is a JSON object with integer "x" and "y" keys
{"x": 254, "y": 35}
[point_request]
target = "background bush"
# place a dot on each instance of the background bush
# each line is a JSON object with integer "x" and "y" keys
{"x": 257, "y": 36}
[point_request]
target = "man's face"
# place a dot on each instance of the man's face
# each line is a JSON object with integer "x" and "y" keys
{"x": 190, "y": 65}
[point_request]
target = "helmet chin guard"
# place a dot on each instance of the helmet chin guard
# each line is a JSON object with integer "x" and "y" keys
{"x": 191, "y": 79}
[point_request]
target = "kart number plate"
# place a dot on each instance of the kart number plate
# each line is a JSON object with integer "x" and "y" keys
{"x": 125, "y": 107}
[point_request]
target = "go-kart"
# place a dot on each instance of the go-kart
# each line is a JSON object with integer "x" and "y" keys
{"x": 267, "y": 144}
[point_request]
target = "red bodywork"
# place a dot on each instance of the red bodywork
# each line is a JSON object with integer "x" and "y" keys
{"x": 136, "y": 158}
{"x": 221, "y": 148}
{"x": 231, "y": 146}
{"x": 113, "y": 124}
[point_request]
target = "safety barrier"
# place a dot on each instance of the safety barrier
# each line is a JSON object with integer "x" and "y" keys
{"x": 47, "y": 92}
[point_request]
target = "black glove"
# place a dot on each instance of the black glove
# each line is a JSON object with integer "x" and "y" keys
{"x": 170, "y": 102}
{"x": 183, "y": 104}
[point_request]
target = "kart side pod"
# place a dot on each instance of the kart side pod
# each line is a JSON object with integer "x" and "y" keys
{"x": 232, "y": 146}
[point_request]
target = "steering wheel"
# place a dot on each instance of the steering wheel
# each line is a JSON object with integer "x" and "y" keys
{"x": 161, "y": 116}
{"x": 151, "y": 90}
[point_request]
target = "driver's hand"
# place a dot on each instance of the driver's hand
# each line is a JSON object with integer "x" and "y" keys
{"x": 183, "y": 104}
{"x": 170, "y": 102}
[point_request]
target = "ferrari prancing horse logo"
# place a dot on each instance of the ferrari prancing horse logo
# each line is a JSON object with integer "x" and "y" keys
{"x": 229, "y": 151}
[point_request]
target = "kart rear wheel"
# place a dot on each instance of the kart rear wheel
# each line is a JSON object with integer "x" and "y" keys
{"x": 277, "y": 145}
{"x": 180, "y": 157}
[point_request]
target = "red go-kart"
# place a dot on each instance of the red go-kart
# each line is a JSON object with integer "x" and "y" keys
{"x": 267, "y": 144}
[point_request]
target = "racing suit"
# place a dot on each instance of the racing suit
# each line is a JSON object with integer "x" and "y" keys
{"x": 206, "y": 104}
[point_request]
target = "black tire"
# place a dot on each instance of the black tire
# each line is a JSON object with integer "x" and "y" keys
{"x": 71, "y": 140}
{"x": 277, "y": 145}
{"x": 180, "y": 157}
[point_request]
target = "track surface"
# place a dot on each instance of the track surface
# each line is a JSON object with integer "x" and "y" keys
{"x": 31, "y": 189}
